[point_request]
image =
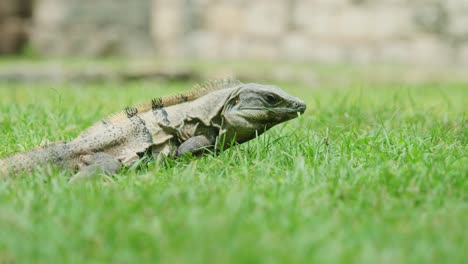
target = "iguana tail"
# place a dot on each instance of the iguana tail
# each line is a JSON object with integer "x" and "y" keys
{"x": 26, "y": 161}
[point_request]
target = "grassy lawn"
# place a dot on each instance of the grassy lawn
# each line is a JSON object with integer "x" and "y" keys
{"x": 370, "y": 173}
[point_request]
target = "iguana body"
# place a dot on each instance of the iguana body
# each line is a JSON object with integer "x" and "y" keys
{"x": 214, "y": 116}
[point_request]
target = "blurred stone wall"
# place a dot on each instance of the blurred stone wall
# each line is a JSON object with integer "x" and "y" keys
{"x": 358, "y": 31}
{"x": 92, "y": 27}
{"x": 417, "y": 32}
{"x": 15, "y": 17}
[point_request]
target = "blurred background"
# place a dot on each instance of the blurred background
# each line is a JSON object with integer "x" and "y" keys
{"x": 292, "y": 40}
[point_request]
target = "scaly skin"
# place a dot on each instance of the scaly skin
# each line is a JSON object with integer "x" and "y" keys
{"x": 214, "y": 117}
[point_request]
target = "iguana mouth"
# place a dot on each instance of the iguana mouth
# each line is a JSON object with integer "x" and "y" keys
{"x": 296, "y": 107}
{"x": 300, "y": 109}
{"x": 290, "y": 112}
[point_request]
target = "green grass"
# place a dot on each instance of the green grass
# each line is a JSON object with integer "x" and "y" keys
{"x": 373, "y": 174}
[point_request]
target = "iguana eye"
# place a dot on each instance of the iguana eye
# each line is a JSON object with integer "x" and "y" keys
{"x": 271, "y": 99}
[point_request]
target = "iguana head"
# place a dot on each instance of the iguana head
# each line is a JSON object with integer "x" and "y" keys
{"x": 254, "y": 108}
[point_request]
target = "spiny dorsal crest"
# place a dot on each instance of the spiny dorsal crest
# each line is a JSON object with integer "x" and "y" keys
{"x": 198, "y": 91}
{"x": 161, "y": 102}
{"x": 131, "y": 111}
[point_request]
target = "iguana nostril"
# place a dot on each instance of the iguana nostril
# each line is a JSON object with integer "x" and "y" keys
{"x": 301, "y": 107}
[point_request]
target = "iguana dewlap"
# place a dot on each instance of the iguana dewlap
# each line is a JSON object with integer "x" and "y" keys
{"x": 214, "y": 116}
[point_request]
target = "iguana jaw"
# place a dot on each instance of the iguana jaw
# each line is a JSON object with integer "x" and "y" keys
{"x": 279, "y": 112}
{"x": 269, "y": 116}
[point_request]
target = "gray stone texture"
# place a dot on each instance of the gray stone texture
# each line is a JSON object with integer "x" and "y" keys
{"x": 92, "y": 27}
{"x": 417, "y": 32}
{"x": 14, "y": 21}
{"x": 331, "y": 31}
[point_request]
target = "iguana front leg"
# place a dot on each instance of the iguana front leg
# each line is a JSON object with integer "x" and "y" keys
{"x": 96, "y": 163}
{"x": 195, "y": 145}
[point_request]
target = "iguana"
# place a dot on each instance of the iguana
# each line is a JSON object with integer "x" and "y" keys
{"x": 214, "y": 116}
